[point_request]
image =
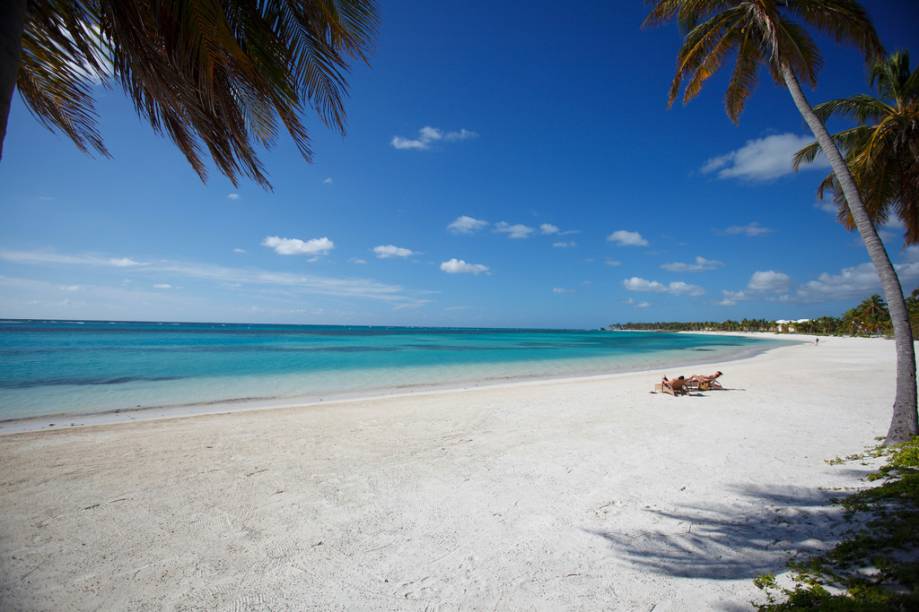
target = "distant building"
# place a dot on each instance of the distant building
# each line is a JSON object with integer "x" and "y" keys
{"x": 787, "y": 326}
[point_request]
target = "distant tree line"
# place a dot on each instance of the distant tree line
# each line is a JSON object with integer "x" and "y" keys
{"x": 869, "y": 318}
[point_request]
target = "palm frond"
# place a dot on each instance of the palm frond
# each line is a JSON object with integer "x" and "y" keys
{"x": 59, "y": 67}
{"x": 688, "y": 13}
{"x": 743, "y": 79}
{"x": 214, "y": 75}
{"x": 795, "y": 47}
{"x": 696, "y": 49}
{"x": 712, "y": 61}
{"x": 860, "y": 107}
{"x": 851, "y": 139}
{"x": 910, "y": 88}
{"x": 845, "y": 20}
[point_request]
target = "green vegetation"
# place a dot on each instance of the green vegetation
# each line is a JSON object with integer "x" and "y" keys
{"x": 870, "y": 318}
{"x": 877, "y": 566}
{"x": 882, "y": 151}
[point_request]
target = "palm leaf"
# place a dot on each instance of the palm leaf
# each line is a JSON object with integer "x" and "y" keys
{"x": 743, "y": 79}
{"x": 861, "y": 107}
{"x": 211, "y": 75}
{"x": 847, "y": 140}
{"x": 845, "y": 20}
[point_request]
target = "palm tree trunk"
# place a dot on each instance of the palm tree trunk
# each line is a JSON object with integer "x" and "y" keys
{"x": 905, "y": 422}
{"x": 12, "y": 24}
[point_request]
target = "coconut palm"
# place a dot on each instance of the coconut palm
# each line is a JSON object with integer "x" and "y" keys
{"x": 772, "y": 33}
{"x": 868, "y": 318}
{"x": 220, "y": 75}
{"x": 882, "y": 151}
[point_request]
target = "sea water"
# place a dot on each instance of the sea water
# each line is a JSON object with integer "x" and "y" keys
{"x": 84, "y": 367}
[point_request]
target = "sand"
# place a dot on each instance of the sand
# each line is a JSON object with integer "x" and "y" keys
{"x": 574, "y": 494}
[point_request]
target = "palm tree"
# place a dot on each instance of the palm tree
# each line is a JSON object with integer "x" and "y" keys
{"x": 882, "y": 152}
{"x": 871, "y": 316}
{"x": 769, "y": 33}
{"x": 213, "y": 74}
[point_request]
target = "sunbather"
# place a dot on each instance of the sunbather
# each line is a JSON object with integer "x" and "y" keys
{"x": 676, "y": 386}
{"x": 704, "y": 383}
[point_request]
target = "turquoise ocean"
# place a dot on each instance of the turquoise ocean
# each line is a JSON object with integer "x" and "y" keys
{"x": 84, "y": 367}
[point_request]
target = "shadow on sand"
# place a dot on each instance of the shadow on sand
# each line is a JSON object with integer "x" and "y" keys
{"x": 757, "y": 532}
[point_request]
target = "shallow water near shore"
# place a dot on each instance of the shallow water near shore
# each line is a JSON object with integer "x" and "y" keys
{"x": 86, "y": 367}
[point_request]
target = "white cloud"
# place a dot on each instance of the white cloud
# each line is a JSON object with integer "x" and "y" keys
{"x": 358, "y": 260}
{"x": 49, "y": 257}
{"x": 239, "y": 251}
{"x": 233, "y": 196}
{"x": 387, "y": 251}
{"x": 162, "y": 286}
{"x": 411, "y": 305}
{"x": 857, "y": 282}
{"x": 732, "y": 297}
{"x": 561, "y": 290}
{"x": 750, "y": 229}
{"x": 762, "y": 159}
{"x": 637, "y": 304}
{"x": 295, "y": 246}
{"x": 306, "y": 284}
{"x": 466, "y": 225}
{"x": 563, "y": 244}
{"x": 681, "y": 288}
{"x": 461, "y": 134}
{"x": 429, "y": 135}
{"x": 769, "y": 281}
{"x": 762, "y": 283}
{"x": 675, "y": 288}
{"x": 548, "y": 229}
{"x": 123, "y": 262}
{"x": 516, "y": 231}
{"x": 627, "y": 238}
{"x": 699, "y": 264}
{"x": 327, "y": 180}
{"x": 458, "y": 266}
{"x": 405, "y": 143}
{"x": 827, "y": 206}
{"x": 612, "y": 263}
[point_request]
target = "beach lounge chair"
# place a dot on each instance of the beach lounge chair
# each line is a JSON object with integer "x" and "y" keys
{"x": 701, "y": 382}
{"x": 674, "y": 387}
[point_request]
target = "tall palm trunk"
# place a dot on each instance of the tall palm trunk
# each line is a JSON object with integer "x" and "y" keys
{"x": 12, "y": 24}
{"x": 904, "y": 423}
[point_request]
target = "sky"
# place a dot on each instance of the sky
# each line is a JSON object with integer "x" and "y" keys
{"x": 501, "y": 167}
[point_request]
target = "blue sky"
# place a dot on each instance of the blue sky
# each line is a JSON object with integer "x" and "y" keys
{"x": 586, "y": 200}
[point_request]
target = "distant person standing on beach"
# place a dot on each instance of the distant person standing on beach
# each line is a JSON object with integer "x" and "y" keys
{"x": 817, "y": 341}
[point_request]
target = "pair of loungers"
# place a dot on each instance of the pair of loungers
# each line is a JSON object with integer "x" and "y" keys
{"x": 683, "y": 385}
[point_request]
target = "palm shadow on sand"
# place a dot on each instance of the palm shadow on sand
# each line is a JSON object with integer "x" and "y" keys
{"x": 757, "y": 532}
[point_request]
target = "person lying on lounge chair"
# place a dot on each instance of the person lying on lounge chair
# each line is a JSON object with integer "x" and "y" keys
{"x": 704, "y": 383}
{"x": 674, "y": 387}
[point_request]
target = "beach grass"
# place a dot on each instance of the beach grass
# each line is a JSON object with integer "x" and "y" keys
{"x": 877, "y": 566}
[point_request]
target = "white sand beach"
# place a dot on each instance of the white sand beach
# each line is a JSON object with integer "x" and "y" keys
{"x": 574, "y": 494}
